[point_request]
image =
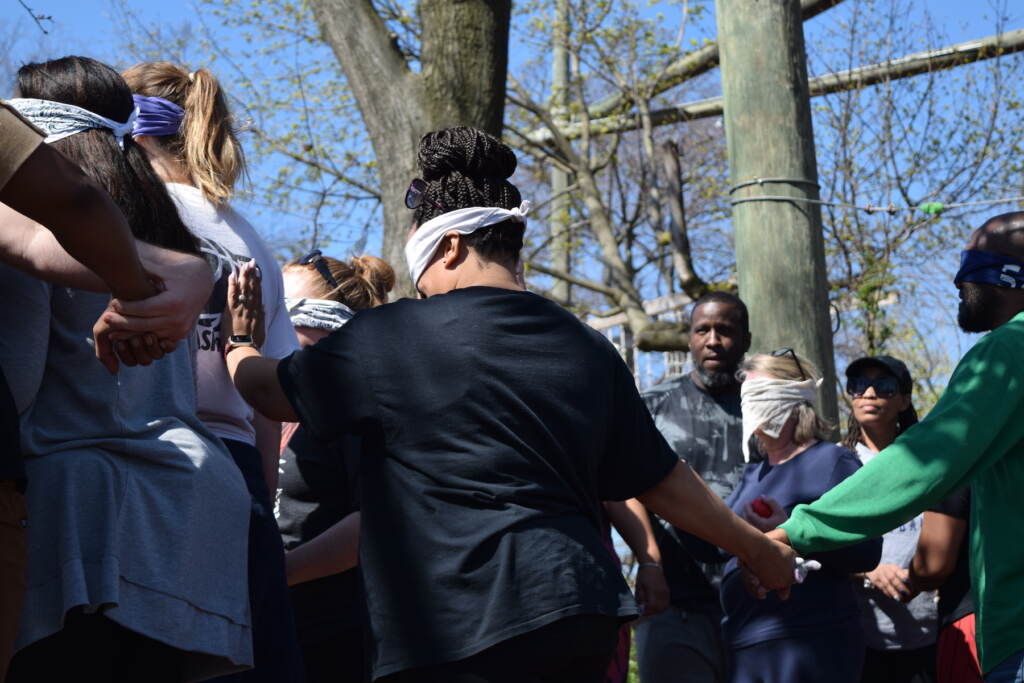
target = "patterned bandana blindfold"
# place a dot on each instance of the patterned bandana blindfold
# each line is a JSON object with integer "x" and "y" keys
{"x": 986, "y": 268}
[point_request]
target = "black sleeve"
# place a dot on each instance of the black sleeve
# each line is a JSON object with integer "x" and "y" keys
{"x": 353, "y": 456}
{"x": 638, "y": 457}
{"x": 956, "y": 505}
{"x": 326, "y": 384}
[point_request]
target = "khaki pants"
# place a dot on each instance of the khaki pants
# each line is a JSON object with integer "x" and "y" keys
{"x": 13, "y": 557}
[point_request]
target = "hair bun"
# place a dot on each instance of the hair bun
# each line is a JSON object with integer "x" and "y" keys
{"x": 467, "y": 151}
{"x": 375, "y": 272}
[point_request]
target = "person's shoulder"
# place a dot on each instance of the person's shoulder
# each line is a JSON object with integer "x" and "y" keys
{"x": 1009, "y": 334}
{"x": 196, "y": 211}
{"x": 393, "y": 315}
{"x": 672, "y": 385}
{"x": 835, "y": 456}
{"x": 656, "y": 396}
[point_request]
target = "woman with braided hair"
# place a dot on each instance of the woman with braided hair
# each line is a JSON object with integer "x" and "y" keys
{"x": 493, "y": 424}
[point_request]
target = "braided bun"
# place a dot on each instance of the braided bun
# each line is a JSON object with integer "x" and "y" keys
{"x": 466, "y": 167}
{"x": 467, "y": 151}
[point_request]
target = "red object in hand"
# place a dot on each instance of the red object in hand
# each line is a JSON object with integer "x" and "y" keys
{"x": 761, "y": 508}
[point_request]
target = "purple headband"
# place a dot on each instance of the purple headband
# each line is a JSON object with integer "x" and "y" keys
{"x": 157, "y": 116}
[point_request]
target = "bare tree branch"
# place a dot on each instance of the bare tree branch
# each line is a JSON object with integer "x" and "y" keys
{"x": 904, "y": 67}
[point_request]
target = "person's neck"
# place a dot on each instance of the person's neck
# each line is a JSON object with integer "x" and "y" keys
{"x": 698, "y": 381}
{"x": 877, "y": 437}
{"x": 489, "y": 275}
{"x": 170, "y": 170}
{"x": 1009, "y": 313}
{"x": 778, "y": 453}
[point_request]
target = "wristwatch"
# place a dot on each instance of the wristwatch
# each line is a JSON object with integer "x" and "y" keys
{"x": 236, "y": 340}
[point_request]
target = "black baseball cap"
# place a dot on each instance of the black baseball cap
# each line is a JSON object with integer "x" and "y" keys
{"x": 894, "y": 367}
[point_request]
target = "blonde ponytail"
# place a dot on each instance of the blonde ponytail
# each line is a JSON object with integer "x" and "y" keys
{"x": 206, "y": 144}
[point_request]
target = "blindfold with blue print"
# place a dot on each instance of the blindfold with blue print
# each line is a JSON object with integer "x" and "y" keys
{"x": 986, "y": 268}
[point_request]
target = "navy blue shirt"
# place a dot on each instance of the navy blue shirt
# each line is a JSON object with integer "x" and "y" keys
{"x": 826, "y": 599}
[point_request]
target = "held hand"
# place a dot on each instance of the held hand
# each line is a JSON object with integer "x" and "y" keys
{"x": 773, "y": 566}
{"x": 910, "y": 585}
{"x": 162, "y": 320}
{"x": 171, "y": 314}
{"x": 244, "y": 312}
{"x": 776, "y": 515}
{"x": 651, "y": 589}
{"x": 137, "y": 349}
{"x": 888, "y": 578}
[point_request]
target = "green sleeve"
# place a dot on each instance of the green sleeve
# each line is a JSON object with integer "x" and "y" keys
{"x": 976, "y": 421}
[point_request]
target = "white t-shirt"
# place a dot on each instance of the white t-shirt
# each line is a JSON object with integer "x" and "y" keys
{"x": 230, "y": 239}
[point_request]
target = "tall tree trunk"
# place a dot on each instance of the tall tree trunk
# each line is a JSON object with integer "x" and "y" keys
{"x": 463, "y": 59}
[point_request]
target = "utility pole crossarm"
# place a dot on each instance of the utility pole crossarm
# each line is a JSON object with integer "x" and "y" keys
{"x": 895, "y": 69}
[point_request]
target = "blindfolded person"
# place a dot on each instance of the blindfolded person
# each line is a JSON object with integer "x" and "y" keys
{"x": 318, "y": 499}
{"x": 494, "y": 423}
{"x": 816, "y": 634}
{"x": 188, "y": 134}
{"x": 138, "y": 516}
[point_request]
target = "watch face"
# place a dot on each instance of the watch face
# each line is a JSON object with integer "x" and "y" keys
{"x": 240, "y": 339}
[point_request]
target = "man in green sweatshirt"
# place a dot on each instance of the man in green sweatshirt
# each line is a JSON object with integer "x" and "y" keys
{"x": 974, "y": 435}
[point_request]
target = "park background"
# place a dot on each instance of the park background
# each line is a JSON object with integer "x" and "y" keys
{"x": 944, "y": 136}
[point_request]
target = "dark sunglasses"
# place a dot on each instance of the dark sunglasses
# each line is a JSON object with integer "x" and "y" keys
{"x": 316, "y": 259}
{"x": 779, "y": 353}
{"x": 417, "y": 194}
{"x": 886, "y": 386}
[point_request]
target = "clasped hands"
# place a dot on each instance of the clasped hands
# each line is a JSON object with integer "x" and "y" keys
{"x": 140, "y": 332}
{"x": 754, "y": 513}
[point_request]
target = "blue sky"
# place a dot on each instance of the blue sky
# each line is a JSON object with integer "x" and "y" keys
{"x": 89, "y": 27}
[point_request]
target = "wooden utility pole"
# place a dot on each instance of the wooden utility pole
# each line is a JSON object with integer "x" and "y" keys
{"x": 780, "y": 254}
{"x": 558, "y": 223}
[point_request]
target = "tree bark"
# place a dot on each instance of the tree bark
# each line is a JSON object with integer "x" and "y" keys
{"x": 464, "y": 60}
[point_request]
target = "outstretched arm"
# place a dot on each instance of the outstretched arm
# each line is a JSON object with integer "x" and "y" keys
{"x": 686, "y": 502}
{"x": 975, "y": 423}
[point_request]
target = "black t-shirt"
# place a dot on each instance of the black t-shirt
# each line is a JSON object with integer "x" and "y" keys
{"x": 494, "y": 424}
{"x": 956, "y": 600}
{"x": 12, "y": 466}
{"x": 706, "y": 431}
{"x": 320, "y": 486}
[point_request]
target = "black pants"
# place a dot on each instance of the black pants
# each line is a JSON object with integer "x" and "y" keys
{"x": 338, "y": 659}
{"x": 274, "y": 643}
{"x": 92, "y": 647}
{"x": 571, "y": 650}
{"x": 899, "y": 666}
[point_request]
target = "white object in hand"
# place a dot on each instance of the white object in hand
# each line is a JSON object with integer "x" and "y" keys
{"x": 805, "y": 567}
